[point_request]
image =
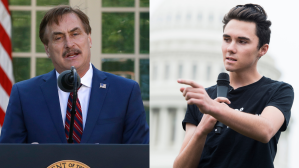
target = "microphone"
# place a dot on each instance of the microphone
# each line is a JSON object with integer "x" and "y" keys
{"x": 66, "y": 80}
{"x": 69, "y": 81}
{"x": 222, "y": 89}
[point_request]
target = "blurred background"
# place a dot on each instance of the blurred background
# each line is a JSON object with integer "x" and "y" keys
{"x": 120, "y": 37}
{"x": 186, "y": 39}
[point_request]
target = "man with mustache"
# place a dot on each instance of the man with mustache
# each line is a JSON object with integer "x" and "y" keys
{"x": 109, "y": 107}
{"x": 255, "y": 111}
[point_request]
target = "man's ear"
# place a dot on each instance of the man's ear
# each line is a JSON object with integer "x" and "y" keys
{"x": 89, "y": 40}
{"x": 47, "y": 50}
{"x": 263, "y": 50}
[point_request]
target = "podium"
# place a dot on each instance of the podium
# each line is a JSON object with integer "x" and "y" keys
{"x": 57, "y": 155}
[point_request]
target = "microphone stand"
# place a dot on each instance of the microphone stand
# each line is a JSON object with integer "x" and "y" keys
{"x": 73, "y": 111}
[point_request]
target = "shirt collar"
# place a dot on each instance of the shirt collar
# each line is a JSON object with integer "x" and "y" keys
{"x": 86, "y": 79}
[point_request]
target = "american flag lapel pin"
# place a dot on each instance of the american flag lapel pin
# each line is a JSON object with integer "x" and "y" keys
{"x": 102, "y": 85}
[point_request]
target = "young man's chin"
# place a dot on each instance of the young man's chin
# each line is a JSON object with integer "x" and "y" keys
{"x": 229, "y": 69}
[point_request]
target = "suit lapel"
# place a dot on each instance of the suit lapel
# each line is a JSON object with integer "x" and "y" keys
{"x": 97, "y": 98}
{"x": 50, "y": 91}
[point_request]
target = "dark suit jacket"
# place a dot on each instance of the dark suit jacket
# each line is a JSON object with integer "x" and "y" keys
{"x": 115, "y": 114}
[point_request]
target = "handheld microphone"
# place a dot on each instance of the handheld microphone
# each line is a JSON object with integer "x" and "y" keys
{"x": 222, "y": 89}
{"x": 66, "y": 80}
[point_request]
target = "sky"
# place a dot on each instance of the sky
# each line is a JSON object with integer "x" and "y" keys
{"x": 284, "y": 46}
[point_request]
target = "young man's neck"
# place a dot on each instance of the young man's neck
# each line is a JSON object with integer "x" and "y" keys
{"x": 240, "y": 79}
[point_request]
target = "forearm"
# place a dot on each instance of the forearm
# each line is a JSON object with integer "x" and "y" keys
{"x": 189, "y": 156}
{"x": 252, "y": 126}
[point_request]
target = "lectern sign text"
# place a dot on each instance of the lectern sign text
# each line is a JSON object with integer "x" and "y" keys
{"x": 68, "y": 164}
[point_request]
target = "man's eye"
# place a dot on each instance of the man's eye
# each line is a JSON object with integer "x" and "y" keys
{"x": 226, "y": 39}
{"x": 243, "y": 42}
{"x": 57, "y": 38}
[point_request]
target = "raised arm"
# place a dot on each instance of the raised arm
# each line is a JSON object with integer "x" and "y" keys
{"x": 261, "y": 128}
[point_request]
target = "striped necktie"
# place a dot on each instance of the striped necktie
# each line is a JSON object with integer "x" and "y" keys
{"x": 78, "y": 122}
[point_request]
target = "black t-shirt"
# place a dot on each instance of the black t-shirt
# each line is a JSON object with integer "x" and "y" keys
{"x": 233, "y": 150}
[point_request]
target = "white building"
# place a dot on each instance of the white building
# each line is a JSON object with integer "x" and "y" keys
{"x": 186, "y": 39}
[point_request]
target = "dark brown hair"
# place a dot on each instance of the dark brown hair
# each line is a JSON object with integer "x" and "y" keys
{"x": 55, "y": 14}
{"x": 251, "y": 13}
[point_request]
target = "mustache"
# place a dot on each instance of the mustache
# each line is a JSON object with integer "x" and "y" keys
{"x": 68, "y": 51}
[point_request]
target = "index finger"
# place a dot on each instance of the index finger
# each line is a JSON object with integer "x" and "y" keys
{"x": 189, "y": 82}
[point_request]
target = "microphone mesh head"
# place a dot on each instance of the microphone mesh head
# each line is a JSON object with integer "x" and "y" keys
{"x": 223, "y": 79}
{"x": 63, "y": 81}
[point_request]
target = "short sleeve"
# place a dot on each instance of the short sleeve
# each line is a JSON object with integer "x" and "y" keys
{"x": 192, "y": 116}
{"x": 283, "y": 100}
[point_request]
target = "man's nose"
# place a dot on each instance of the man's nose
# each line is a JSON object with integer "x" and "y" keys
{"x": 232, "y": 47}
{"x": 69, "y": 43}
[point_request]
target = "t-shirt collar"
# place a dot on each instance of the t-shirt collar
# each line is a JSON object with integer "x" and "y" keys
{"x": 231, "y": 89}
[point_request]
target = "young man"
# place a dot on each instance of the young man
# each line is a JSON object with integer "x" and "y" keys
{"x": 255, "y": 111}
{"x": 109, "y": 107}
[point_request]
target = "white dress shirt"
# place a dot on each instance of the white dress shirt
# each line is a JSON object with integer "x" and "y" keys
{"x": 83, "y": 95}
